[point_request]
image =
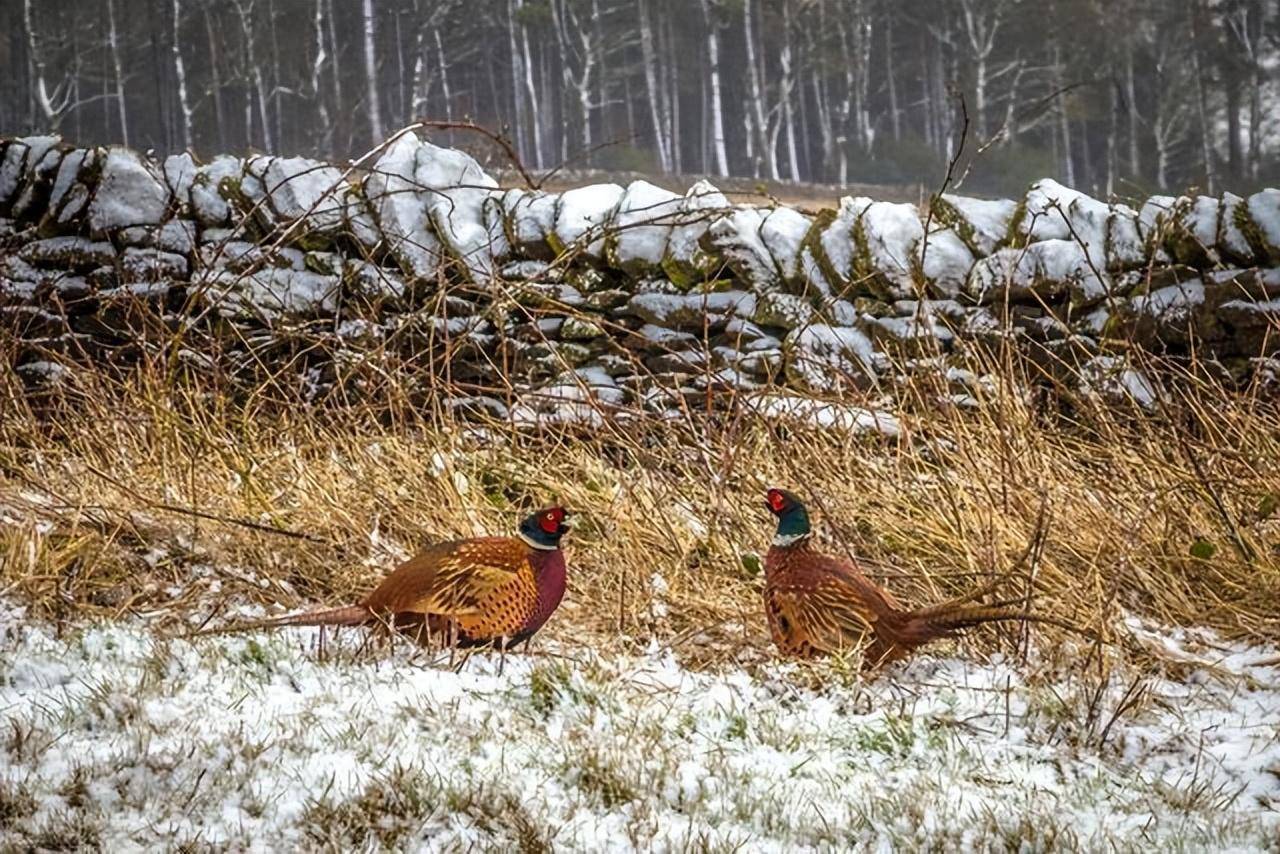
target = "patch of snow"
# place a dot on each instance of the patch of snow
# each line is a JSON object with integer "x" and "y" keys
{"x": 254, "y": 742}
{"x": 819, "y": 413}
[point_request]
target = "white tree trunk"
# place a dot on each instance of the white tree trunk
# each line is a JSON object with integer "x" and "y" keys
{"x": 317, "y": 77}
{"x": 113, "y": 42}
{"x": 717, "y": 107}
{"x": 517, "y": 79}
{"x": 530, "y": 86}
{"x": 650, "y": 61}
{"x": 180, "y": 76}
{"x": 758, "y": 108}
{"x": 445, "y": 91}
{"x": 371, "y": 73}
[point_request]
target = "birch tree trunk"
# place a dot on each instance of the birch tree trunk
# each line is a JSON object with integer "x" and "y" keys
{"x": 317, "y": 75}
{"x": 716, "y": 105}
{"x": 371, "y": 72}
{"x": 788, "y": 84}
{"x": 113, "y": 43}
{"x": 650, "y": 61}
{"x": 532, "y": 90}
{"x": 445, "y": 91}
{"x": 517, "y": 82}
{"x": 758, "y": 111}
{"x": 180, "y": 76}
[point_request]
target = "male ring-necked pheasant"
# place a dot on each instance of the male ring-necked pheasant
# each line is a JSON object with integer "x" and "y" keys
{"x": 480, "y": 591}
{"x": 817, "y": 604}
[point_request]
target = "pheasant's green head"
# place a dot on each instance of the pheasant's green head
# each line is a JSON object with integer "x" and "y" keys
{"x": 544, "y": 529}
{"x": 793, "y": 519}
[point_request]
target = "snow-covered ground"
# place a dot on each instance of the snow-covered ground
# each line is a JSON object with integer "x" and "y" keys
{"x": 115, "y": 737}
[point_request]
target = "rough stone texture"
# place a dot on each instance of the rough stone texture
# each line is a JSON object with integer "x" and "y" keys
{"x": 604, "y": 296}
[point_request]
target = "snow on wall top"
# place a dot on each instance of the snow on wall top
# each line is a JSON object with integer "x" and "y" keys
{"x": 292, "y": 237}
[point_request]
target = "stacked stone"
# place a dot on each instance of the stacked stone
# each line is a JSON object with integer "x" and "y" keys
{"x": 609, "y": 296}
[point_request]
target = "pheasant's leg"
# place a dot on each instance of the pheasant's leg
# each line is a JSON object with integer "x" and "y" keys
{"x": 502, "y": 655}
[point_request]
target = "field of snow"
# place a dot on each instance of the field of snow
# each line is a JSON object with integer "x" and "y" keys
{"x": 114, "y": 737}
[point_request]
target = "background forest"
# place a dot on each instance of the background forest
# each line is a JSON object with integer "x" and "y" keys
{"x": 1112, "y": 97}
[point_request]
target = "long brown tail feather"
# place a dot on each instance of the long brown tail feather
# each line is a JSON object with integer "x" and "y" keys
{"x": 909, "y": 630}
{"x": 352, "y": 615}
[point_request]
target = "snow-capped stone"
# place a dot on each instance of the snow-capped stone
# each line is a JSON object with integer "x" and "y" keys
{"x": 782, "y": 310}
{"x": 1113, "y": 380}
{"x": 71, "y": 252}
{"x": 783, "y": 232}
{"x": 887, "y": 236}
{"x": 273, "y": 292}
{"x": 305, "y": 191}
{"x": 1125, "y": 248}
{"x": 129, "y": 193}
{"x": 457, "y": 189}
{"x": 584, "y": 215}
{"x": 210, "y": 207}
{"x": 151, "y": 265}
{"x": 834, "y": 248}
{"x": 1264, "y": 215}
{"x": 1041, "y": 270}
{"x": 945, "y": 261}
{"x": 982, "y": 224}
{"x": 1192, "y": 231}
{"x": 400, "y": 207}
{"x": 1051, "y": 211}
{"x": 20, "y": 161}
{"x": 1232, "y": 243}
{"x": 827, "y": 359}
{"x": 686, "y": 261}
{"x": 179, "y": 174}
{"x": 690, "y": 310}
{"x": 736, "y": 240}
{"x": 642, "y": 227}
{"x": 529, "y": 217}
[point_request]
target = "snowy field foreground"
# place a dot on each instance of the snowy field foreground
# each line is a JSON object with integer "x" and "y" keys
{"x": 114, "y": 738}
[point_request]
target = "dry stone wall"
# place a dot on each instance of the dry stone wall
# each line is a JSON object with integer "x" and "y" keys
{"x": 608, "y": 295}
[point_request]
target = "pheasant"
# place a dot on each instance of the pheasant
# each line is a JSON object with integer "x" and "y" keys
{"x": 482, "y": 591}
{"x": 817, "y": 604}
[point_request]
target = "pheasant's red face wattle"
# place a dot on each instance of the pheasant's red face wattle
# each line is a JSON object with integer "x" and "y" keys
{"x": 777, "y": 501}
{"x": 551, "y": 520}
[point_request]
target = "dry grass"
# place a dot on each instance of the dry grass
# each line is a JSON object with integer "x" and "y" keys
{"x": 1170, "y": 515}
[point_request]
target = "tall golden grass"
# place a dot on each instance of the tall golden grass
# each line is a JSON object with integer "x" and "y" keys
{"x": 153, "y": 492}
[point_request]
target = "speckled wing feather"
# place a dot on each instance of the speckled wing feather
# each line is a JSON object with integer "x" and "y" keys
{"x": 824, "y": 603}
{"x": 453, "y": 578}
